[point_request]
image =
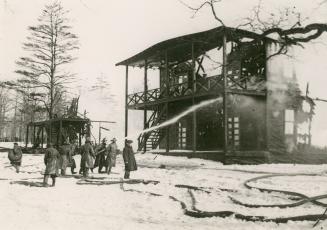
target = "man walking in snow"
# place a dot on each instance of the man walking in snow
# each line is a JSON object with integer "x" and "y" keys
{"x": 51, "y": 160}
{"x": 111, "y": 157}
{"x": 87, "y": 153}
{"x": 100, "y": 160}
{"x": 65, "y": 155}
{"x": 72, "y": 162}
{"x": 129, "y": 159}
{"x": 15, "y": 156}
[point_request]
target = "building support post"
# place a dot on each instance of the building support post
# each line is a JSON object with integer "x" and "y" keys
{"x": 60, "y": 134}
{"x": 80, "y": 137}
{"x": 34, "y": 135}
{"x": 99, "y": 132}
{"x": 145, "y": 100}
{"x": 309, "y": 132}
{"x": 27, "y": 133}
{"x": 126, "y": 102}
{"x": 167, "y": 104}
{"x": 225, "y": 97}
{"x": 193, "y": 101}
{"x": 267, "y": 75}
{"x": 50, "y": 132}
{"x": 42, "y": 136}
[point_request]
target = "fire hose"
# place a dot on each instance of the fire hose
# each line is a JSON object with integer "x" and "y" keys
{"x": 195, "y": 212}
{"x": 303, "y": 198}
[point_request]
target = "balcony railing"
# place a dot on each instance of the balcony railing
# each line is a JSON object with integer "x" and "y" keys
{"x": 202, "y": 86}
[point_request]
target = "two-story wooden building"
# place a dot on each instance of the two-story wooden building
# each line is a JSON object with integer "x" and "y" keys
{"x": 261, "y": 106}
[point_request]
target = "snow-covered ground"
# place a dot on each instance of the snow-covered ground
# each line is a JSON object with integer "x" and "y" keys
{"x": 77, "y": 204}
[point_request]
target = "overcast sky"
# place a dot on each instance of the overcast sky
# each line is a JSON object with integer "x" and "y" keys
{"x": 111, "y": 31}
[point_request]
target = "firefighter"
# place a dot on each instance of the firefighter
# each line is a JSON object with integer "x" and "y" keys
{"x": 100, "y": 160}
{"x": 129, "y": 159}
{"x": 51, "y": 160}
{"x": 65, "y": 156}
{"x": 72, "y": 162}
{"x": 111, "y": 157}
{"x": 87, "y": 153}
{"x": 15, "y": 156}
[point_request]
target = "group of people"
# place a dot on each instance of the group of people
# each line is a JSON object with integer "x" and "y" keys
{"x": 57, "y": 161}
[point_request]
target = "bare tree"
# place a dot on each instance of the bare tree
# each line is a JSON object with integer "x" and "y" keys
{"x": 50, "y": 46}
{"x": 288, "y": 24}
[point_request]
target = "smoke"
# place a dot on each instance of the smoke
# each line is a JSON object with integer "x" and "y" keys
{"x": 177, "y": 117}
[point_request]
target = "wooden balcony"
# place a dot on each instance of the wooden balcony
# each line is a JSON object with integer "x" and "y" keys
{"x": 203, "y": 87}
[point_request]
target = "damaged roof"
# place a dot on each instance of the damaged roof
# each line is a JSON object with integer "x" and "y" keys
{"x": 179, "y": 48}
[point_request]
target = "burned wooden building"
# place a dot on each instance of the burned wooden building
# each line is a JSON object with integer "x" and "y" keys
{"x": 261, "y": 108}
{"x": 68, "y": 127}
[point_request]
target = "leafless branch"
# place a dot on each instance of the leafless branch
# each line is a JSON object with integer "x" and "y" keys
{"x": 210, "y": 4}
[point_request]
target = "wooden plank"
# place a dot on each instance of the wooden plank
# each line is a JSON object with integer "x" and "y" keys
{"x": 225, "y": 94}
{"x": 26, "y": 137}
{"x": 60, "y": 134}
{"x": 34, "y": 135}
{"x": 126, "y": 104}
{"x": 42, "y": 136}
{"x": 80, "y": 138}
{"x": 145, "y": 118}
{"x": 267, "y": 73}
{"x": 246, "y": 92}
{"x": 50, "y": 132}
{"x": 47, "y": 122}
{"x": 167, "y": 99}
{"x": 193, "y": 101}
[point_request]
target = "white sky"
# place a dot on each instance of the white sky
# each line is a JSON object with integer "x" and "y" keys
{"x": 111, "y": 31}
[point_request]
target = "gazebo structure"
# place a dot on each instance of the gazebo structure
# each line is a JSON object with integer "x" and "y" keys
{"x": 261, "y": 108}
{"x": 57, "y": 130}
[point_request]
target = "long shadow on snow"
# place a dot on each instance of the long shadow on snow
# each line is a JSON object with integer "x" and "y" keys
{"x": 28, "y": 183}
{"x": 163, "y": 166}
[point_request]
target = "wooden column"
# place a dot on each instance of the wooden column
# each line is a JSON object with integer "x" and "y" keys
{"x": 167, "y": 96}
{"x": 309, "y": 131}
{"x": 99, "y": 132}
{"x": 26, "y": 137}
{"x": 225, "y": 95}
{"x": 126, "y": 102}
{"x": 267, "y": 75}
{"x": 33, "y": 135}
{"x": 145, "y": 90}
{"x": 42, "y": 136}
{"x": 80, "y": 137}
{"x": 60, "y": 133}
{"x": 50, "y": 132}
{"x": 193, "y": 101}
{"x": 145, "y": 98}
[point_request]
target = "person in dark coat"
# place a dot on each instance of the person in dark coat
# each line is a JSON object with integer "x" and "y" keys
{"x": 51, "y": 160}
{"x": 72, "y": 162}
{"x": 15, "y": 156}
{"x": 129, "y": 159}
{"x": 100, "y": 159}
{"x": 111, "y": 155}
{"x": 87, "y": 153}
{"x": 65, "y": 156}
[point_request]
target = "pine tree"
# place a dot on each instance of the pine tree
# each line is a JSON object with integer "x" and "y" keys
{"x": 50, "y": 47}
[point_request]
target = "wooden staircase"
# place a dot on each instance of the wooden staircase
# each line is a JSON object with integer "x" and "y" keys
{"x": 152, "y": 139}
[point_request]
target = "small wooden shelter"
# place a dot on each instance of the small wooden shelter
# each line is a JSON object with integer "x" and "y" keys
{"x": 70, "y": 127}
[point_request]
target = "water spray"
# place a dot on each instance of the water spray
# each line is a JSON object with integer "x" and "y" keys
{"x": 177, "y": 117}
